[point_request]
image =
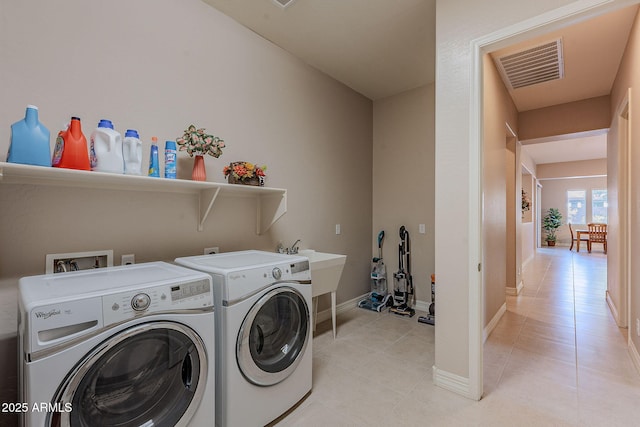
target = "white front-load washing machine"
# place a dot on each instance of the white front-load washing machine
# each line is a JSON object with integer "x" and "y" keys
{"x": 263, "y": 333}
{"x": 118, "y": 346}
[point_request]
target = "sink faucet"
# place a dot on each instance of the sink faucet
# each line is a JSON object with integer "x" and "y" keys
{"x": 294, "y": 248}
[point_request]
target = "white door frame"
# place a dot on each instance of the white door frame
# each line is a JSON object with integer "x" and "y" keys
{"x": 571, "y": 13}
{"x": 622, "y": 311}
{"x": 538, "y": 227}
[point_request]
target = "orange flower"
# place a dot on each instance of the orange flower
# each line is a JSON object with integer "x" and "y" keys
{"x": 240, "y": 170}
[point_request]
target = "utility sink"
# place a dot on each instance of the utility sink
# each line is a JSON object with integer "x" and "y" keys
{"x": 326, "y": 270}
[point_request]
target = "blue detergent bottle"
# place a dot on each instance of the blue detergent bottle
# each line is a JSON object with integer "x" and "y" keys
{"x": 30, "y": 141}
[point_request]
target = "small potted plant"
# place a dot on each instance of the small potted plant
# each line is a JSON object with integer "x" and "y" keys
{"x": 198, "y": 143}
{"x": 550, "y": 223}
{"x": 245, "y": 173}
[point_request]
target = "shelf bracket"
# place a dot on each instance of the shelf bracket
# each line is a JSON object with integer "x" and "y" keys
{"x": 206, "y": 199}
{"x": 270, "y": 209}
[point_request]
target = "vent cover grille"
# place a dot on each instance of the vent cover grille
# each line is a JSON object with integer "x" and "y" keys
{"x": 532, "y": 66}
{"x": 283, "y": 3}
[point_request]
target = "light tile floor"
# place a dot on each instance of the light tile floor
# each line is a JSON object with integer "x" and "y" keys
{"x": 556, "y": 358}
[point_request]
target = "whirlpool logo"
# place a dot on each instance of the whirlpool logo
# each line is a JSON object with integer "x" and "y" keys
{"x": 48, "y": 314}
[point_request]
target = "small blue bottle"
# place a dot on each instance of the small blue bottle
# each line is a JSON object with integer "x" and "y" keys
{"x": 154, "y": 168}
{"x": 30, "y": 141}
{"x": 170, "y": 154}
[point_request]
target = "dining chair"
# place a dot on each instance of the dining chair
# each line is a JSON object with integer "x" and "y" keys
{"x": 597, "y": 234}
{"x": 574, "y": 239}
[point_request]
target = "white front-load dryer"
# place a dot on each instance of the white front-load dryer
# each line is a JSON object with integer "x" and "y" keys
{"x": 118, "y": 346}
{"x": 263, "y": 333}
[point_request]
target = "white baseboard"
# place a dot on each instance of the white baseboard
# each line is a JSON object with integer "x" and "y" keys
{"x": 451, "y": 382}
{"x": 515, "y": 291}
{"x": 614, "y": 310}
{"x": 348, "y": 305}
{"x": 422, "y": 305}
{"x": 494, "y": 322}
{"x": 344, "y": 306}
{"x": 635, "y": 357}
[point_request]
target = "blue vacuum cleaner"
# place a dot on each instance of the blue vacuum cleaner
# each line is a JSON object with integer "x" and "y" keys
{"x": 379, "y": 298}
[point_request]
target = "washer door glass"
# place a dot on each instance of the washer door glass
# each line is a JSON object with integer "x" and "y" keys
{"x": 273, "y": 337}
{"x": 153, "y": 374}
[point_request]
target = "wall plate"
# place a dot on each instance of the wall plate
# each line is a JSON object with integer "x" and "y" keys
{"x": 72, "y": 261}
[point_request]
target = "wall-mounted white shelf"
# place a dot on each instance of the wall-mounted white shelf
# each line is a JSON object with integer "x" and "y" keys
{"x": 271, "y": 202}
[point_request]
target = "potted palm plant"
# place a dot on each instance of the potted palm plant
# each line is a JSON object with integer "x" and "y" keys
{"x": 550, "y": 223}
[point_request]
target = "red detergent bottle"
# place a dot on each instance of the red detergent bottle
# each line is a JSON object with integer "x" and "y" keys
{"x": 71, "y": 148}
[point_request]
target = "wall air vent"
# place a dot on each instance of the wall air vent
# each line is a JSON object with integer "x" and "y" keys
{"x": 283, "y": 3}
{"x": 532, "y": 66}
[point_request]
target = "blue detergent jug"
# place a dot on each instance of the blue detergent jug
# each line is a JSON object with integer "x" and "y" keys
{"x": 30, "y": 141}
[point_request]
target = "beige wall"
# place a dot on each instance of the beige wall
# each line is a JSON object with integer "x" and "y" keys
{"x": 528, "y": 230}
{"x": 554, "y": 195}
{"x": 572, "y": 117}
{"x": 527, "y": 224}
{"x": 499, "y": 185}
{"x": 629, "y": 77}
{"x": 571, "y": 169}
{"x": 511, "y": 222}
{"x": 403, "y": 181}
{"x": 158, "y": 66}
{"x": 528, "y": 163}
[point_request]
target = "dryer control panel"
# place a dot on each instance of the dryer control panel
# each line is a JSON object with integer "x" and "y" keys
{"x": 196, "y": 295}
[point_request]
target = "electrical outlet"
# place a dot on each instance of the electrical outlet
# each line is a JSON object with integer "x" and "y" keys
{"x": 212, "y": 250}
{"x": 638, "y": 327}
{"x": 422, "y": 229}
{"x": 128, "y": 259}
{"x": 338, "y": 230}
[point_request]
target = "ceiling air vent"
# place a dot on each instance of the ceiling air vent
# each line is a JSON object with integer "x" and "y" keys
{"x": 532, "y": 66}
{"x": 283, "y": 3}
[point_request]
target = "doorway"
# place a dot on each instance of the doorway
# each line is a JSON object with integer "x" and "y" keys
{"x": 550, "y": 21}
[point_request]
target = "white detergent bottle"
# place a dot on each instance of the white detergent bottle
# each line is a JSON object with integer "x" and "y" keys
{"x": 132, "y": 152}
{"x": 106, "y": 149}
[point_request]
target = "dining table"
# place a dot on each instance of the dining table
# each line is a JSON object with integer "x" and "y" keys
{"x": 579, "y": 233}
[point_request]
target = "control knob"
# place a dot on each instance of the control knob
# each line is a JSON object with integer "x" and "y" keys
{"x": 140, "y": 302}
{"x": 277, "y": 273}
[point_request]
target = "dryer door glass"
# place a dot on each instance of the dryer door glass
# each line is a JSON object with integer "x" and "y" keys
{"x": 151, "y": 374}
{"x": 273, "y": 336}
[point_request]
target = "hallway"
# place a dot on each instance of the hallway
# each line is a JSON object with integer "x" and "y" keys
{"x": 557, "y": 354}
{"x": 556, "y": 358}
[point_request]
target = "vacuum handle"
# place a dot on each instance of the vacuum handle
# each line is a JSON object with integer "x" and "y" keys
{"x": 380, "y": 239}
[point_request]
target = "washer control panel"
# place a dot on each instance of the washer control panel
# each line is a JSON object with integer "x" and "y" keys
{"x": 195, "y": 295}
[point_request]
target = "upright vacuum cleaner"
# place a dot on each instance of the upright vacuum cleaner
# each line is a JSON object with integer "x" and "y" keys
{"x": 430, "y": 319}
{"x": 402, "y": 280}
{"x": 378, "y": 298}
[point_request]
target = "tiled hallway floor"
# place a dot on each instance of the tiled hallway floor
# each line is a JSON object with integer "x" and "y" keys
{"x": 556, "y": 358}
